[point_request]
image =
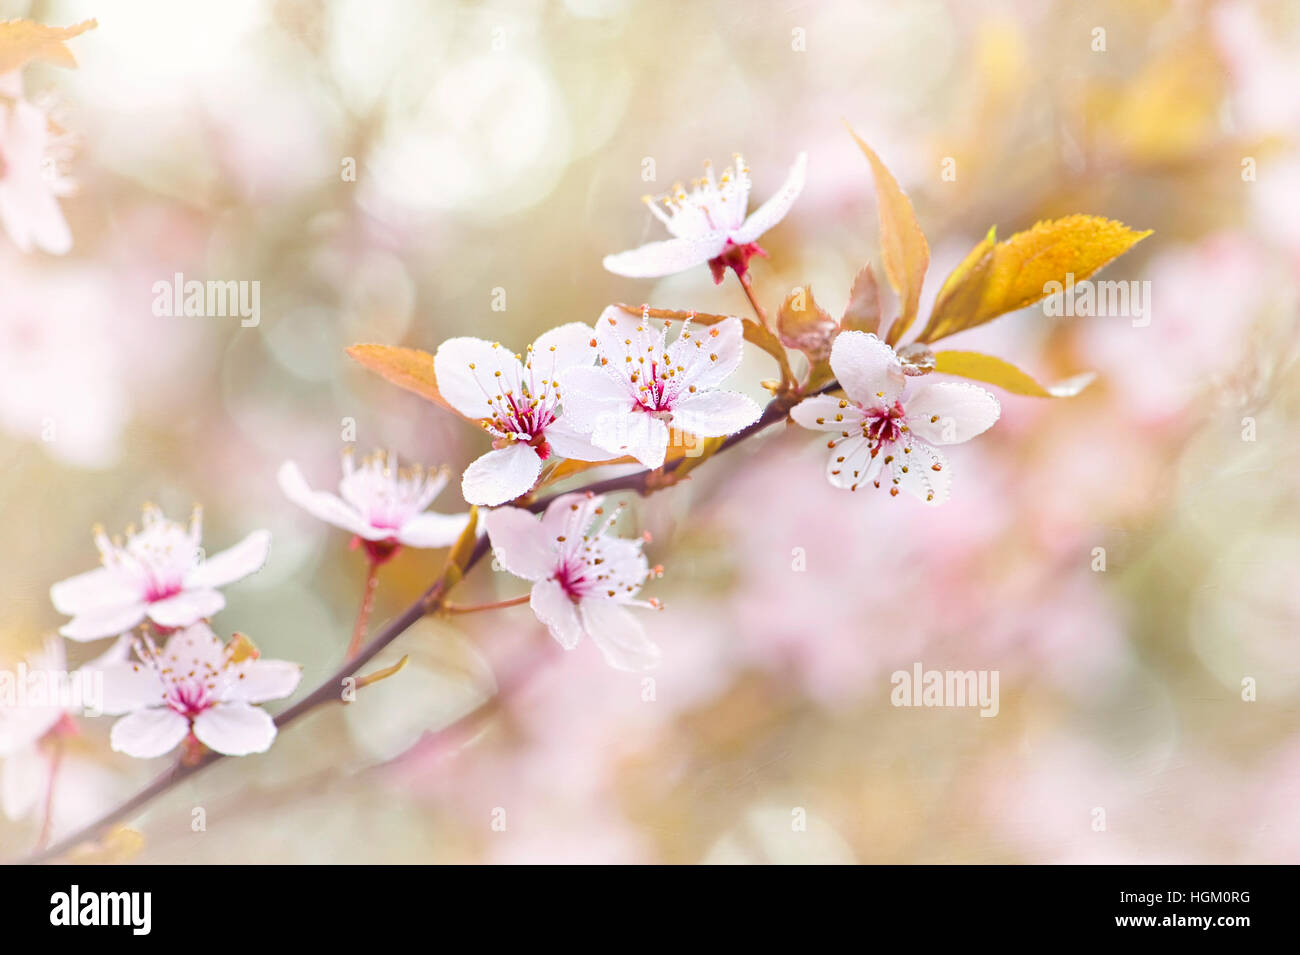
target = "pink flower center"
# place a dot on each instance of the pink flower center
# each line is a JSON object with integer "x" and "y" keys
{"x": 735, "y": 257}
{"x": 883, "y": 425}
{"x": 572, "y": 576}
{"x": 188, "y": 697}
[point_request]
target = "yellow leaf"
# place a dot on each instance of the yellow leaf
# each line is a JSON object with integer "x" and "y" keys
{"x": 698, "y": 454}
{"x": 995, "y": 371}
{"x": 458, "y": 556}
{"x": 383, "y": 674}
{"x": 22, "y": 41}
{"x": 119, "y": 844}
{"x": 242, "y": 648}
{"x": 1017, "y": 272}
{"x": 805, "y": 325}
{"x": 961, "y": 291}
{"x": 408, "y": 368}
{"x": 862, "y": 314}
{"x": 906, "y": 254}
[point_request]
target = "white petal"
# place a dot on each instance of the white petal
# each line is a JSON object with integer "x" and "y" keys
{"x": 867, "y": 369}
{"x": 774, "y": 210}
{"x": 520, "y": 542}
{"x": 950, "y": 412}
{"x": 235, "y": 729}
{"x": 638, "y": 434}
{"x": 232, "y": 564}
{"x": 914, "y": 473}
{"x": 554, "y": 608}
{"x": 666, "y": 257}
{"x": 851, "y": 465}
{"x": 627, "y": 342}
{"x": 196, "y": 647}
{"x": 570, "y": 516}
{"x": 130, "y": 686}
{"x": 24, "y": 777}
{"x": 186, "y": 607}
{"x": 467, "y": 373}
{"x": 708, "y": 353}
{"x": 501, "y": 475}
{"x": 592, "y": 393}
{"x": 319, "y": 504}
{"x": 712, "y": 414}
{"x": 619, "y": 635}
{"x": 567, "y": 442}
{"x": 821, "y": 411}
{"x": 262, "y": 680}
{"x": 95, "y": 588}
{"x": 432, "y": 529}
{"x": 555, "y": 351}
{"x": 145, "y": 734}
{"x": 103, "y": 622}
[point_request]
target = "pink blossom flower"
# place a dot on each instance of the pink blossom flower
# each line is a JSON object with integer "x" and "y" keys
{"x": 196, "y": 686}
{"x": 29, "y": 210}
{"x": 885, "y": 436}
{"x": 583, "y": 579}
{"x": 708, "y": 224}
{"x": 158, "y": 573}
{"x": 518, "y": 403}
{"x": 643, "y": 385}
{"x": 25, "y": 762}
{"x": 383, "y": 505}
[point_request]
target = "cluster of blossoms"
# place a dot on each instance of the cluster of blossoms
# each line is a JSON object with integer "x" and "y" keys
{"x": 616, "y": 392}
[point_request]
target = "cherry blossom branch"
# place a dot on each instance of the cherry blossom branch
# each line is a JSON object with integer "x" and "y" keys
{"x": 432, "y": 600}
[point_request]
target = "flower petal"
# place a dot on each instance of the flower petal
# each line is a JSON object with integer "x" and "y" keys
{"x": 774, "y": 210}
{"x": 145, "y": 734}
{"x": 95, "y": 588}
{"x": 867, "y": 369}
{"x": 562, "y": 348}
{"x": 319, "y": 504}
{"x": 708, "y": 353}
{"x": 950, "y": 412}
{"x": 914, "y": 472}
{"x": 130, "y": 686}
{"x": 233, "y": 563}
{"x": 432, "y": 529}
{"x": 519, "y": 542}
{"x": 712, "y": 414}
{"x": 851, "y": 465}
{"x": 235, "y": 729}
{"x": 469, "y": 370}
{"x": 638, "y": 434}
{"x": 820, "y": 413}
{"x": 262, "y": 680}
{"x": 501, "y": 475}
{"x": 567, "y": 442}
{"x": 666, "y": 257}
{"x": 554, "y": 608}
{"x": 103, "y": 622}
{"x": 619, "y": 635}
{"x": 24, "y": 776}
{"x": 185, "y": 608}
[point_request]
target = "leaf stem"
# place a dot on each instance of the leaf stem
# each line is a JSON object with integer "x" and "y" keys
{"x": 363, "y": 614}
{"x": 476, "y": 608}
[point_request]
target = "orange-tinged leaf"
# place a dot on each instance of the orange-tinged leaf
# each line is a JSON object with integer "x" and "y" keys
{"x": 906, "y": 254}
{"x": 22, "y": 41}
{"x": 805, "y": 325}
{"x": 409, "y": 368}
{"x": 454, "y": 567}
{"x": 994, "y": 371}
{"x": 1017, "y": 272}
{"x": 862, "y": 314}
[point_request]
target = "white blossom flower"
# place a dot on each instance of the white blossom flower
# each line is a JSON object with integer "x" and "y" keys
{"x": 29, "y": 209}
{"x": 26, "y": 767}
{"x": 583, "y": 579}
{"x": 194, "y": 685}
{"x": 643, "y": 385}
{"x": 158, "y": 573}
{"x": 380, "y": 503}
{"x": 884, "y": 436}
{"x": 708, "y": 224}
{"x": 518, "y": 403}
